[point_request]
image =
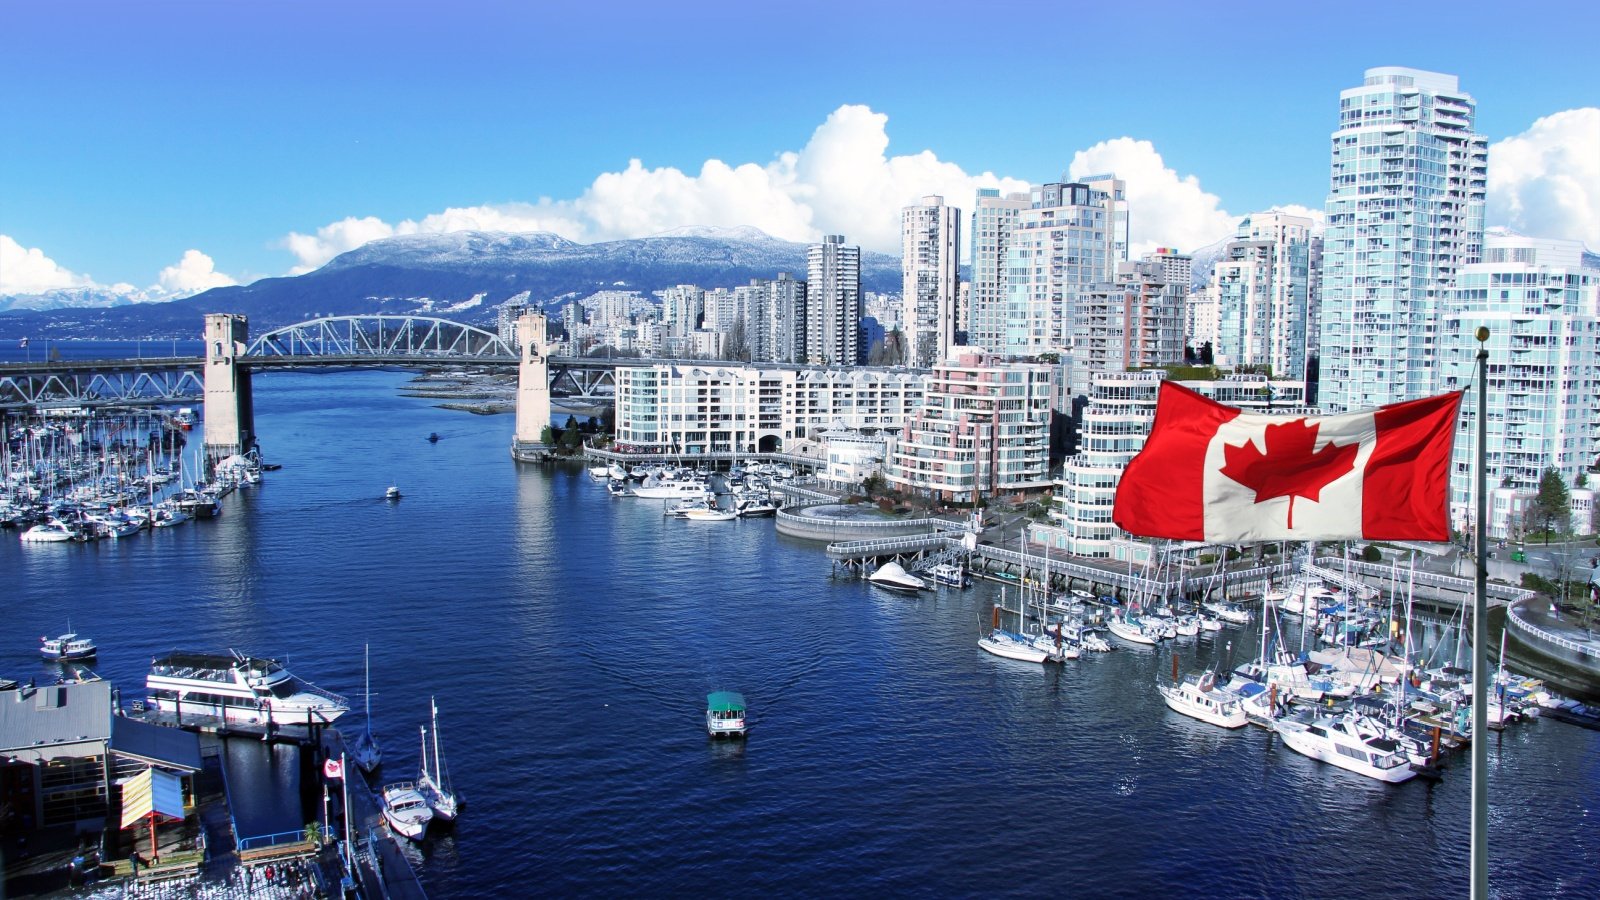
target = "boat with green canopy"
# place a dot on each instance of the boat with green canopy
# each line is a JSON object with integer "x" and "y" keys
{"x": 725, "y": 714}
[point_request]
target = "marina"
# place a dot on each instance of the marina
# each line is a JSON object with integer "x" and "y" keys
{"x": 567, "y": 735}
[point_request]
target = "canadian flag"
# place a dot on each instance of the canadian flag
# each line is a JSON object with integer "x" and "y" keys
{"x": 333, "y": 769}
{"x": 1210, "y": 472}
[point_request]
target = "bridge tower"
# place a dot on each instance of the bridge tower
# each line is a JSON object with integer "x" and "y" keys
{"x": 533, "y": 390}
{"x": 229, "y": 410}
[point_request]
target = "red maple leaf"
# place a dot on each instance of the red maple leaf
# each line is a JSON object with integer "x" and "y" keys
{"x": 1289, "y": 468}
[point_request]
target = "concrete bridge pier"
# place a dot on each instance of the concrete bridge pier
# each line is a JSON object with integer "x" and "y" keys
{"x": 533, "y": 391}
{"x": 229, "y": 408}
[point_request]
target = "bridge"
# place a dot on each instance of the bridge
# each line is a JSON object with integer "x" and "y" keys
{"x": 333, "y": 342}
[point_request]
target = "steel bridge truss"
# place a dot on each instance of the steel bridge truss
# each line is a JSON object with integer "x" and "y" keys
{"x": 400, "y": 337}
{"x": 582, "y": 378}
{"x": 105, "y": 388}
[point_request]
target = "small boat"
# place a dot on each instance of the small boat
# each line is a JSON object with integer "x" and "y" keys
{"x": 69, "y": 646}
{"x": 393, "y": 493}
{"x": 599, "y": 473}
{"x": 750, "y": 509}
{"x": 949, "y": 573}
{"x": 1197, "y": 697}
{"x": 52, "y": 532}
{"x": 709, "y": 514}
{"x": 433, "y": 437}
{"x": 1133, "y": 632}
{"x": 366, "y": 752}
{"x": 406, "y": 810}
{"x": 435, "y": 785}
{"x": 1229, "y": 612}
{"x": 725, "y": 714}
{"x": 1012, "y": 646}
{"x": 894, "y": 577}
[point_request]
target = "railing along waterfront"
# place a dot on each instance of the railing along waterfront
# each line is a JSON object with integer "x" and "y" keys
{"x": 880, "y": 546}
{"x": 1519, "y": 624}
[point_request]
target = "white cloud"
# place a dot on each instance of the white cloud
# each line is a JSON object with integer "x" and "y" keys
{"x": 1164, "y": 208}
{"x": 26, "y": 270}
{"x": 194, "y": 273}
{"x": 1546, "y": 180}
{"x": 841, "y": 182}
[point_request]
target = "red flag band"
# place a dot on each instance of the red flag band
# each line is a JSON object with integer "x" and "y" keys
{"x": 1210, "y": 472}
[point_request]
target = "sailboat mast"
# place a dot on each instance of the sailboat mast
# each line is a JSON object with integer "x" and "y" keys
{"x": 438, "y": 768}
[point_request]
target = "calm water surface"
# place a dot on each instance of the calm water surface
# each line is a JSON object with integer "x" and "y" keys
{"x": 571, "y": 638}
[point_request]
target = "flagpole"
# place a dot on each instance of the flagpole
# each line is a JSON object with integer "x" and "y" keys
{"x": 1480, "y": 641}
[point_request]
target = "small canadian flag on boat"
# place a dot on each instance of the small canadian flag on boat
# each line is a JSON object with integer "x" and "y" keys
{"x": 333, "y": 768}
{"x": 1215, "y": 473}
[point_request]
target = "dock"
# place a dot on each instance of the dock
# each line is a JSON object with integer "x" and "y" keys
{"x": 381, "y": 869}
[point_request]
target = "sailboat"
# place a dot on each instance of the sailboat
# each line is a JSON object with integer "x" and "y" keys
{"x": 366, "y": 752}
{"x": 435, "y": 785}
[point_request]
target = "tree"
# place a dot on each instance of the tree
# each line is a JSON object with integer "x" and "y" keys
{"x": 1372, "y": 554}
{"x": 1553, "y": 503}
{"x": 736, "y": 346}
{"x": 547, "y": 436}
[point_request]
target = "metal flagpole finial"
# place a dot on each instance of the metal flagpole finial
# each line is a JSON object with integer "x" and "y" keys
{"x": 1482, "y": 333}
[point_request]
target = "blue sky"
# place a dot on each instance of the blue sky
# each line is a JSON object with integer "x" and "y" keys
{"x": 134, "y": 132}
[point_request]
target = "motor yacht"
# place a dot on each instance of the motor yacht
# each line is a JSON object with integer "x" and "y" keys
{"x": 1197, "y": 697}
{"x": 237, "y": 688}
{"x": 1336, "y": 740}
{"x": 726, "y": 715}
{"x": 893, "y": 576}
{"x": 406, "y": 810}
{"x": 67, "y": 647}
{"x": 949, "y": 573}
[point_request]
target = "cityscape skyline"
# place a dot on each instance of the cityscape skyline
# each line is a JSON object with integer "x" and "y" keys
{"x": 241, "y": 195}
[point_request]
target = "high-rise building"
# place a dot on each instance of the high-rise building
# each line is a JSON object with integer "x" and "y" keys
{"x": 681, "y": 308}
{"x": 993, "y": 217}
{"x": 786, "y": 307}
{"x": 930, "y": 264}
{"x": 1261, "y": 290}
{"x": 1542, "y": 310}
{"x": 833, "y": 302}
{"x": 1405, "y": 213}
{"x": 983, "y": 428}
{"x": 1133, "y": 322}
{"x": 1061, "y": 246}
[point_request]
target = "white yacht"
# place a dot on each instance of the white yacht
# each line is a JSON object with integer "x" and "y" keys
{"x": 670, "y": 490}
{"x": 51, "y": 532}
{"x": 1012, "y": 646}
{"x": 1197, "y": 697}
{"x": 1134, "y": 632}
{"x": 894, "y": 577}
{"x": 1337, "y": 740}
{"x": 709, "y": 514}
{"x": 406, "y": 810}
{"x": 237, "y": 688}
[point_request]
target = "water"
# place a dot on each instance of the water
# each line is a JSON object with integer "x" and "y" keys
{"x": 571, "y": 639}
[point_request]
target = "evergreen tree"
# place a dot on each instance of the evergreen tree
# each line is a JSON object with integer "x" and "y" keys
{"x": 1554, "y": 503}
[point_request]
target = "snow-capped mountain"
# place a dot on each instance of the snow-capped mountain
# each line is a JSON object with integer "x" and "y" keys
{"x": 97, "y": 297}
{"x": 445, "y": 274}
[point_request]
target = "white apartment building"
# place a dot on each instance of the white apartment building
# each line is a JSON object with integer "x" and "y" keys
{"x": 1404, "y": 214}
{"x": 983, "y": 428}
{"x": 1135, "y": 322}
{"x": 681, "y": 308}
{"x": 1261, "y": 291}
{"x": 930, "y": 262}
{"x": 691, "y": 409}
{"x": 1542, "y": 309}
{"x": 833, "y": 302}
{"x": 1060, "y": 247}
{"x": 1116, "y": 422}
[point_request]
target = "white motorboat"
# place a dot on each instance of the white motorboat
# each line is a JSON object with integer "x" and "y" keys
{"x": 365, "y": 751}
{"x": 670, "y": 490}
{"x": 893, "y": 576}
{"x": 1012, "y": 646}
{"x": 1337, "y": 740}
{"x": 1197, "y": 697}
{"x": 709, "y": 514}
{"x": 406, "y": 810}
{"x": 434, "y": 785}
{"x": 949, "y": 573}
{"x": 1055, "y": 646}
{"x": 1229, "y": 612}
{"x": 599, "y": 473}
{"x": 393, "y": 493}
{"x": 237, "y": 688}
{"x": 67, "y": 647}
{"x": 1187, "y": 626}
{"x": 752, "y": 508}
{"x": 51, "y": 532}
{"x": 1210, "y": 623}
